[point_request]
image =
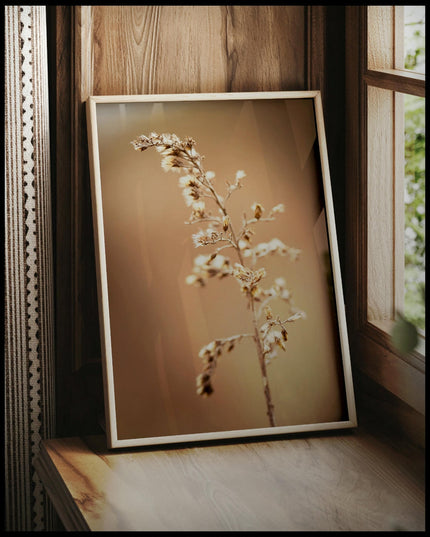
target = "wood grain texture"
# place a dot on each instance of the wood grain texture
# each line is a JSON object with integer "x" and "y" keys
{"x": 85, "y": 334}
{"x": 402, "y": 81}
{"x": 399, "y": 202}
{"x": 355, "y": 168}
{"x": 384, "y": 414}
{"x": 380, "y": 205}
{"x": 59, "y": 26}
{"x": 61, "y": 499}
{"x": 380, "y": 42}
{"x": 330, "y": 483}
{"x": 381, "y": 363}
{"x": 317, "y": 49}
{"x": 195, "y": 49}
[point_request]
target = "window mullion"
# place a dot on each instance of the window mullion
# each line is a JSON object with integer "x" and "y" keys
{"x": 399, "y": 44}
{"x": 380, "y": 202}
{"x": 399, "y": 200}
{"x": 391, "y": 79}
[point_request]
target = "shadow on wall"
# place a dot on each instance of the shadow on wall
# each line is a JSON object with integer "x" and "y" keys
{"x": 84, "y": 408}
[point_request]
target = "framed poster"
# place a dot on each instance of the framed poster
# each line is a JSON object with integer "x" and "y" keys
{"x": 220, "y": 296}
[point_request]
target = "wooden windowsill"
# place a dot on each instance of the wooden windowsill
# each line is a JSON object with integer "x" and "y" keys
{"x": 402, "y": 376}
{"x": 415, "y": 358}
{"x": 348, "y": 481}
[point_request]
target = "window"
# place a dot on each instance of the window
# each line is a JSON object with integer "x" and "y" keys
{"x": 386, "y": 191}
{"x": 395, "y": 166}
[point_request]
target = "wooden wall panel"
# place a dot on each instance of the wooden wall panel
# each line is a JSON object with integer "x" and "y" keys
{"x": 113, "y": 50}
{"x": 189, "y": 49}
{"x": 162, "y": 49}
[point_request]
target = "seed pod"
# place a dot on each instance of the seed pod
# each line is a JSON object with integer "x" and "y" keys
{"x": 258, "y": 211}
{"x": 268, "y": 313}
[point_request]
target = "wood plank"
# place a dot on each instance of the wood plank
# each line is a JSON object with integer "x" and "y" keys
{"x": 317, "y": 49}
{"x": 386, "y": 415}
{"x": 380, "y": 205}
{"x": 395, "y": 80}
{"x": 85, "y": 324}
{"x": 404, "y": 379}
{"x": 380, "y": 37}
{"x": 58, "y": 493}
{"x": 192, "y": 49}
{"x": 399, "y": 202}
{"x": 338, "y": 482}
{"x": 59, "y": 24}
{"x": 355, "y": 189}
{"x": 228, "y": 96}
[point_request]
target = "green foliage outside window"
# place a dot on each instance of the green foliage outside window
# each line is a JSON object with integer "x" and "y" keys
{"x": 414, "y": 307}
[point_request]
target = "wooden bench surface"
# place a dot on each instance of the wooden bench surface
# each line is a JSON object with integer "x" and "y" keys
{"x": 331, "y": 482}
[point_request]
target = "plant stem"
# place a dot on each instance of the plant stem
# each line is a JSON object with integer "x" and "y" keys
{"x": 267, "y": 394}
{"x": 257, "y": 340}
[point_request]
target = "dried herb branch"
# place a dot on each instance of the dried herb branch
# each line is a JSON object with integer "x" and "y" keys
{"x": 217, "y": 231}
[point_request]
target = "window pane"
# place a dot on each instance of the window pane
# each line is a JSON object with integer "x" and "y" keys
{"x": 414, "y": 38}
{"x": 414, "y": 303}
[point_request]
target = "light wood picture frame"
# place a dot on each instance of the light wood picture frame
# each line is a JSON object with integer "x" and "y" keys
{"x": 220, "y": 296}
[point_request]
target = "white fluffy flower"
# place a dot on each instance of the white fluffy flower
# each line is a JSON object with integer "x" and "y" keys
{"x": 209, "y": 236}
